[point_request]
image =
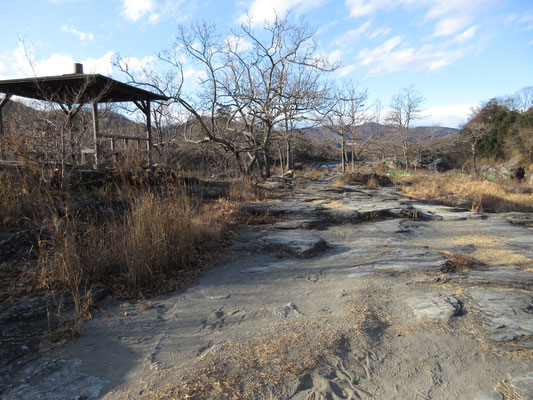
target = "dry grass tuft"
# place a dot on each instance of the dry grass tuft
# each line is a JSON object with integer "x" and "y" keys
{"x": 462, "y": 191}
{"x": 245, "y": 370}
{"x": 461, "y": 263}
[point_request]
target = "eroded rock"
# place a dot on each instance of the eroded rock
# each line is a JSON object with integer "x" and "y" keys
{"x": 435, "y": 306}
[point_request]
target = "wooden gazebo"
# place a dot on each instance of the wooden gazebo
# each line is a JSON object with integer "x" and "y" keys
{"x": 71, "y": 91}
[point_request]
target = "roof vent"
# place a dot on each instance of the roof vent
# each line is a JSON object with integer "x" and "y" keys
{"x": 78, "y": 68}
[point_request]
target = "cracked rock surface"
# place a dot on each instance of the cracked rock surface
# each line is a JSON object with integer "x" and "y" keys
{"x": 368, "y": 265}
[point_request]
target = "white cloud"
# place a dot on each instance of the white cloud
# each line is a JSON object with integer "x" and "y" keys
{"x": 346, "y": 70}
{"x": 79, "y": 34}
{"x": 361, "y": 8}
{"x": 530, "y": 43}
{"x": 348, "y": 38}
{"x": 449, "y": 16}
{"x": 380, "y": 32}
{"x": 20, "y": 66}
{"x": 449, "y": 115}
{"x": 261, "y": 11}
{"x": 238, "y": 44}
{"x": 390, "y": 57}
{"x": 157, "y": 10}
{"x": 466, "y": 35}
{"x": 136, "y": 9}
{"x": 135, "y": 64}
{"x": 335, "y": 56}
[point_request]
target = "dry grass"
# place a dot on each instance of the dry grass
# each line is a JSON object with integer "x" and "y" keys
{"x": 246, "y": 191}
{"x": 25, "y": 196}
{"x": 154, "y": 248}
{"x": 507, "y": 391}
{"x": 461, "y": 263}
{"x": 247, "y": 369}
{"x": 252, "y": 368}
{"x": 460, "y": 190}
{"x": 371, "y": 180}
{"x": 490, "y": 251}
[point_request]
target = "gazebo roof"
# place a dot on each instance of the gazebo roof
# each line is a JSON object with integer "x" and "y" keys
{"x": 76, "y": 88}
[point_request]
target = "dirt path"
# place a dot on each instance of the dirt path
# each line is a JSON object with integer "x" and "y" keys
{"x": 348, "y": 296}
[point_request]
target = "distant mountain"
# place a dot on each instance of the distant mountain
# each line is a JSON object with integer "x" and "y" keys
{"x": 417, "y": 133}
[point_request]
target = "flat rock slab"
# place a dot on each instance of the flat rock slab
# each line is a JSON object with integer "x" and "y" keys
{"x": 296, "y": 243}
{"x": 403, "y": 261}
{"x": 502, "y": 276}
{"x": 523, "y": 385}
{"x": 445, "y": 213}
{"x": 508, "y": 315}
{"x": 488, "y": 395}
{"x": 57, "y": 380}
{"x": 285, "y": 208}
{"x": 435, "y": 306}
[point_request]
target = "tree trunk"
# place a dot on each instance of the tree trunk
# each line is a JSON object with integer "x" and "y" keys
{"x": 280, "y": 159}
{"x": 267, "y": 164}
{"x": 474, "y": 156}
{"x": 290, "y": 161}
{"x": 353, "y": 151}
{"x": 343, "y": 155}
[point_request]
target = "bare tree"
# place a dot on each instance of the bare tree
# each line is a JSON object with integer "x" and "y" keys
{"x": 343, "y": 115}
{"x": 406, "y": 107}
{"x": 254, "y": 84}
{"x": 473, "y": 132}
{"x": 167, "y": 82}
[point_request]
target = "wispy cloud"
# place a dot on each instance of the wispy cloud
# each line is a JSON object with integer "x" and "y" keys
{"x": 79, "y": 34}
{"x": 22, "y": 64}
{"x": 156, "y": 11}
{"x": 448, "y": 115}
{"x": 348, "y": 38}
{"x": 261, "y": 11}
{"x": 466, "y": 35}
{"x": 380, "y": 32}
{"x": 134, "y": 10}
{"x": 392, "y": 56}
{"x": 449, "y": 16}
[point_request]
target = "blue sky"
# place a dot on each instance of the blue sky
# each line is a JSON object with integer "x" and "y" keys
{"x": 458, "y": 53}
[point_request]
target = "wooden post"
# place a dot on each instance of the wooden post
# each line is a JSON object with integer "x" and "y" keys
{"x": 96, "y": 134}
{"x": 144, "y": 106}
{"x": 148, "y": 131}
{"x": 3, "y": 102}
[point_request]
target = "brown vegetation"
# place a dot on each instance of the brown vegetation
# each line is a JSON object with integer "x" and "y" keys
{"x": 460, "y": 263}
{"x": 156, "y": 240}
{"x": 371, "y": 180}
{"x": 245, "y": 370}
{"x": 463, "y": 191}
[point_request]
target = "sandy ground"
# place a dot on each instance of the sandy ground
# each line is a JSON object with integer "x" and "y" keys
{"x": 347, "y": 297}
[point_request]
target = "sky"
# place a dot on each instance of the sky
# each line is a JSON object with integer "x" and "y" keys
{"x": 457, "y": 53}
